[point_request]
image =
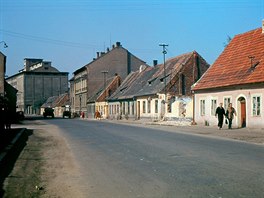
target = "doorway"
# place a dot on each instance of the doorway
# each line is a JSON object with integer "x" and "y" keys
{"x": 242, "y": 114}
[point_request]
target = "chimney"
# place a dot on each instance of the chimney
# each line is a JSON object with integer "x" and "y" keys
{"x": 263, "y": 26}
{"x": 118, "y": 44}
{"x": 155, "y": 62}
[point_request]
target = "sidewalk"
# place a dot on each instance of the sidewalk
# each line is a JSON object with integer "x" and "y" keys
{"x": 250, "y": 135}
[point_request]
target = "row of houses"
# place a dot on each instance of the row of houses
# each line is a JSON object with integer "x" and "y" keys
{"x": 122, "y": 86}
{"x": 185, "y": 87}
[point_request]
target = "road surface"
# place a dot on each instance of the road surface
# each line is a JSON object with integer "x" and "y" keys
{"x": 117, "y": 160}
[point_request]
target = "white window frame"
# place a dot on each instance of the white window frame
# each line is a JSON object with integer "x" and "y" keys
{"x": 254, "y": 112}
{"x": 226, "y": 101}
{"x": 213, "y": 106}
{"x": 202, "y": 107}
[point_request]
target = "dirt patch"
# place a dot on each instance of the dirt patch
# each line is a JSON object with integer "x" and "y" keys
{"x": 45, "y": 168}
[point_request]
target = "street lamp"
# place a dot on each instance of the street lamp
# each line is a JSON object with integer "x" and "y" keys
{"x": 5, "y": 45}
{"x": 164, "y": 51}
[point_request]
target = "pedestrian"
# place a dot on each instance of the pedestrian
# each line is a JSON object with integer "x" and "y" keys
{"x": 230, "y": 112}
{"x": 97, "y": 115}
{"x": 220, "y": 112}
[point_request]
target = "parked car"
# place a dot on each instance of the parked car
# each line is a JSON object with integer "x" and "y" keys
{"x": 48, "y": 112}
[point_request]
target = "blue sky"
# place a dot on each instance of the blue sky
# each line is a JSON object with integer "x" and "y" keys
{"x": 70, "y": 32}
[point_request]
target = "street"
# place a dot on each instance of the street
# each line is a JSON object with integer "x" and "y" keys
{"x": 138, "y": 161}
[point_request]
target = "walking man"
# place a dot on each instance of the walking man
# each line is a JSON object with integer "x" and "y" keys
{"x": 230, "y": 112}
{"x": 220, "y": 112}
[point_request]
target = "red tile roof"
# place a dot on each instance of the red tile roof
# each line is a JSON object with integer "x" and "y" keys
{"x": 233, "y": 66}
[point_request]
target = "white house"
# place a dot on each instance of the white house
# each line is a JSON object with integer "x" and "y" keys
{"x": 237, "y": 77}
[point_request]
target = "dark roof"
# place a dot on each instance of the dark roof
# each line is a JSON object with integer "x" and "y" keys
{"x": 156, "y": 82}
{"x": 57, "y": 101}
{"x": 233, "y": 67}
{"x": 151, "y": 80}
{"x": 50, "y": 102}
{"x": 132, "y": 83}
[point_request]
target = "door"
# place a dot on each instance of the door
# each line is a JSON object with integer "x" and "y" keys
{"x": 243, "y": 113}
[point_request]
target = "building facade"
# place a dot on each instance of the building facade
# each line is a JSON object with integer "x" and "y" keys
{"x": 237, "y": 77}
{"x": 159, "y": 92}
{"x": 86, "y": 81}
{"x": 36, "y": 82}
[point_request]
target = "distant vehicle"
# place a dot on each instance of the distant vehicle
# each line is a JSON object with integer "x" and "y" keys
{"x": 67, "y": 111}
{"x": 66, "y": 114}
{"x": 48, "y": 112}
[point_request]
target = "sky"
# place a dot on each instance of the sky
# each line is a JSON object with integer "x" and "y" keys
{"x": 70, "y": 32}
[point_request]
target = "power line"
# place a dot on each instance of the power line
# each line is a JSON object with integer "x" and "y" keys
{"x": 48, "y": 40}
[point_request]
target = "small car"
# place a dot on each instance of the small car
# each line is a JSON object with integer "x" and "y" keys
{"x": 48, "y": 112}
{"x": 66, "y": 114}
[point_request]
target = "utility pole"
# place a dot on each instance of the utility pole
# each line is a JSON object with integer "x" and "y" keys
{"x": 164, "y": 51}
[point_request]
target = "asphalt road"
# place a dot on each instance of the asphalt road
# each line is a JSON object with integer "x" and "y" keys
{"x": 136, "y": 161}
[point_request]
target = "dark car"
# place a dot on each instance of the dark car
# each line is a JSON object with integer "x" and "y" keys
{"x": 48, "y": 112}
{"x": 66, "y": 114}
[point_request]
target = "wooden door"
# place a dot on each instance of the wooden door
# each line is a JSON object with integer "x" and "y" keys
{"x": 243, "y": 113}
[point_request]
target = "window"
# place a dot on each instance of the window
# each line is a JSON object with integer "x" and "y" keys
{"x": 202, "y": 107}
{"x": 226, "y": 102}
{"x": 156, "y": 106}
{"x": 256, "y": 105}
{"x": 213, "y": 106}
{"x": 149, "y": 106}
{"x": 144, "y": 106}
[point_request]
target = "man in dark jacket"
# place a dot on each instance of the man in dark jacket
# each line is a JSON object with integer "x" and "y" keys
{"x": 220, "y": 111}
{"x": 230, "y": 113}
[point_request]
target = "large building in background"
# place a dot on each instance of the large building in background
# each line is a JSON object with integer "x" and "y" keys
{"x": 36, "y": 82}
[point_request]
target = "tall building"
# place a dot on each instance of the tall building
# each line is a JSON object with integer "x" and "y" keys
{"x": 87, "y": 79}
{"x": 36, "y": 82}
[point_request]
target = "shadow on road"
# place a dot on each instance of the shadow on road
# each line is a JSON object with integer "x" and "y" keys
{"x": 11, "y": 152}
